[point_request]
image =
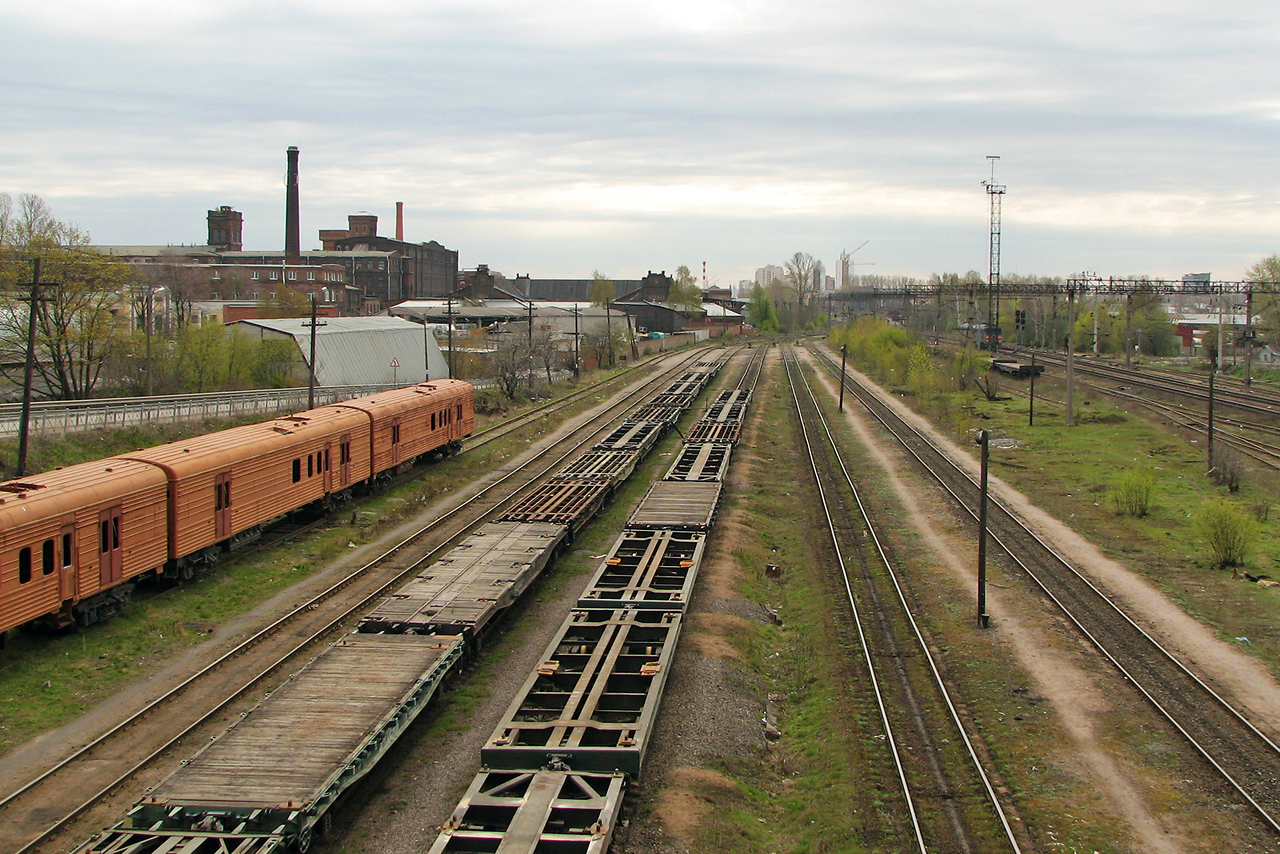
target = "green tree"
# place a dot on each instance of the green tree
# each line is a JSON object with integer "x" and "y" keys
{"x": 1228, "y": 531}
{"x": 685, "y": 293}
{"x": 77, "y": 332}
{"x": 603, "y": 294}
{"x": 760, "y": 311}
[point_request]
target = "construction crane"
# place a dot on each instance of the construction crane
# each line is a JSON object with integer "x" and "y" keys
{"x": 849, "y": 267}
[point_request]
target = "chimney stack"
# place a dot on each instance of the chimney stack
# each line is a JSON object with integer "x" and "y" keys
{"x": 292, "y": 229}
{"x": 400, "y": 221}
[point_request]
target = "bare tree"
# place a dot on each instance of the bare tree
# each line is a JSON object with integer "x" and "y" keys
{"x": 603, "y": 294}
{"x": 76, "y": 327}
{"x": 802, "y": 270}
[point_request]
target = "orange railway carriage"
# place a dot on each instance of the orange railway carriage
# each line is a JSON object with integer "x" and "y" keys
{"x": 226, "y": 483}
{"x": 67, "y": 537}
{"x": 412, "y": 421}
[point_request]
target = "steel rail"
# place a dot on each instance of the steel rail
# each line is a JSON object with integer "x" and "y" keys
{"x": 939, "y": 682}
{"x": 648, "y": 387}
{"x": 881, "y": 704}
{"x": 1162, "y": 652}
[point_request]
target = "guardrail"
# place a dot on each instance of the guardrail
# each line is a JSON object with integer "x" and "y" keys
{"x": 71, "y": 416}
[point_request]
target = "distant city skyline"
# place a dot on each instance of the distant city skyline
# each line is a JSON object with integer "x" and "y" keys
{"x": 554, "y": 140}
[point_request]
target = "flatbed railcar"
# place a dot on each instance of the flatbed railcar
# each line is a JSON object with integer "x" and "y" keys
{"x": 1016, "y": 368}
{"x": 471, "y": 583}
{"x": 269, "y": 780}
{"x": 73, "y": 540}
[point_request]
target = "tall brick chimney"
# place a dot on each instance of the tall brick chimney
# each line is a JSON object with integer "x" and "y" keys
{"x": 400, "y": 221}
{"x": 292, "y": 229}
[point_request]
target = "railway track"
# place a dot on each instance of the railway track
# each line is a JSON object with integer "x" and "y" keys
{"x": 949, "y": 801}
{"x": 1230, "y": 432}
{"x": 1244, "y": 758}
{"x": 1253, "y": 401}
{"x": 41, "y": 806}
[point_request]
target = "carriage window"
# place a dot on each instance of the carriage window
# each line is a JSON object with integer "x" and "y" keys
{"x": 106, "y": 537}
{"x": 395, "y": 434}
{"x": 46, "y": 557}
{"x": 297, "y": 470}
{"x": 115, "y": 532}
{"x": 326, "y": 459}
{"x": 433, "y": 421}
{"x": 310, "y": 463}
{"x": 459, "y": 411}
{"x": 66, "y": 550}
{"x": 24, "y": 565}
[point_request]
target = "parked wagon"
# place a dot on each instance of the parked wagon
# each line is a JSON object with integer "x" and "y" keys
{"x": 1017, "y": 369}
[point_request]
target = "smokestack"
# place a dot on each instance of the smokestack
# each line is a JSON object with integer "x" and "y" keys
{"x": 400, "y": 221}
{"x": 292, "y": 230}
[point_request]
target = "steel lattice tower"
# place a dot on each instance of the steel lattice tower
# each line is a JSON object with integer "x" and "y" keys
{"x": 995, "y": 192}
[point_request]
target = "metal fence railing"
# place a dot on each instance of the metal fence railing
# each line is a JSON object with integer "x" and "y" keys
{"x": 73, "y": 416}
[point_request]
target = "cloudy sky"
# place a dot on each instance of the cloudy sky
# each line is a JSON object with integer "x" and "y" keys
{"x": 554, "y": 138}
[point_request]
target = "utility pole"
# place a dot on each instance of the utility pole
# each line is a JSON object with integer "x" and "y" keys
{"x": 311, "y": 385}
{"x": 995, "y": 193}
{"x": 577, "y": 360}
{"x": 1071, "y": 354}
{"x": 24, "y": 424}
{"x": 450, "y": 315}
{"x": 982, "y": 535}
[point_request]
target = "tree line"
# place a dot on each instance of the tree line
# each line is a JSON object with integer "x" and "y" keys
{"x": 97, "y": 332}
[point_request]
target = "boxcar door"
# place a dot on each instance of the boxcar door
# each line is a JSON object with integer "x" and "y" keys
{"x": 328, "y": 469}
{"x": 344, "y": 460}
{"x": 395, "y": 441}
{"x": 67, "y": 563}
{"x": 110, "y": 554}
{"x": 222, "y": 504}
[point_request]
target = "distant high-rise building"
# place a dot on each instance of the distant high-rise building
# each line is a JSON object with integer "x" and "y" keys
{"x": 768, "y": 274}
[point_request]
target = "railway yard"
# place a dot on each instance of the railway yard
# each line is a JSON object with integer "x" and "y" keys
{"x": 699, "y": 610}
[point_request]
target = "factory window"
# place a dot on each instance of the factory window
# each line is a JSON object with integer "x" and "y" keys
{"x": 293, "y": 274}
{"x": 297, "y": 470}
{"x": 254, "y": 275}
{"x": 274, "y": 275}
{"x": 311, "y": 275}
{"x": 24, "y": 565}
{"x": 214, "y": 295}
{"x": 217, "y": 275}
{"x": 46, "y": 558}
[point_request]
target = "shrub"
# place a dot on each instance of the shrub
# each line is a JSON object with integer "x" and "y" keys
{"x": 1227, "y": 469}
{"x": 1133, "y": 493}
{"x": 1227, "y": 530}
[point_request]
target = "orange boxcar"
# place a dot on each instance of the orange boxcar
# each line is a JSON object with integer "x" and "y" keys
{"x": 226, "y": 483}
{"x": 409, "y": 422}
{"x": 67, "y": 537}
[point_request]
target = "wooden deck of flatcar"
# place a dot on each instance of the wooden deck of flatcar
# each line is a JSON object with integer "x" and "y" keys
{"x": 591, "y": 704}
{"x": 472, "y": 582}
{"x": 562, "y": 500}
{"x": 634, "y": 436}
{"x": 727, "y": 432}
{"x": 614, "y": 466}
{"x": 666, "y": 412}
{"x": 677, "y": 506}
{"x": 707, "y": 462}
{"x": 279, "y": 768}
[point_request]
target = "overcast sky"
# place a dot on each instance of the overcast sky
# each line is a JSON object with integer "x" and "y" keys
{"x": 554, "y": 138}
